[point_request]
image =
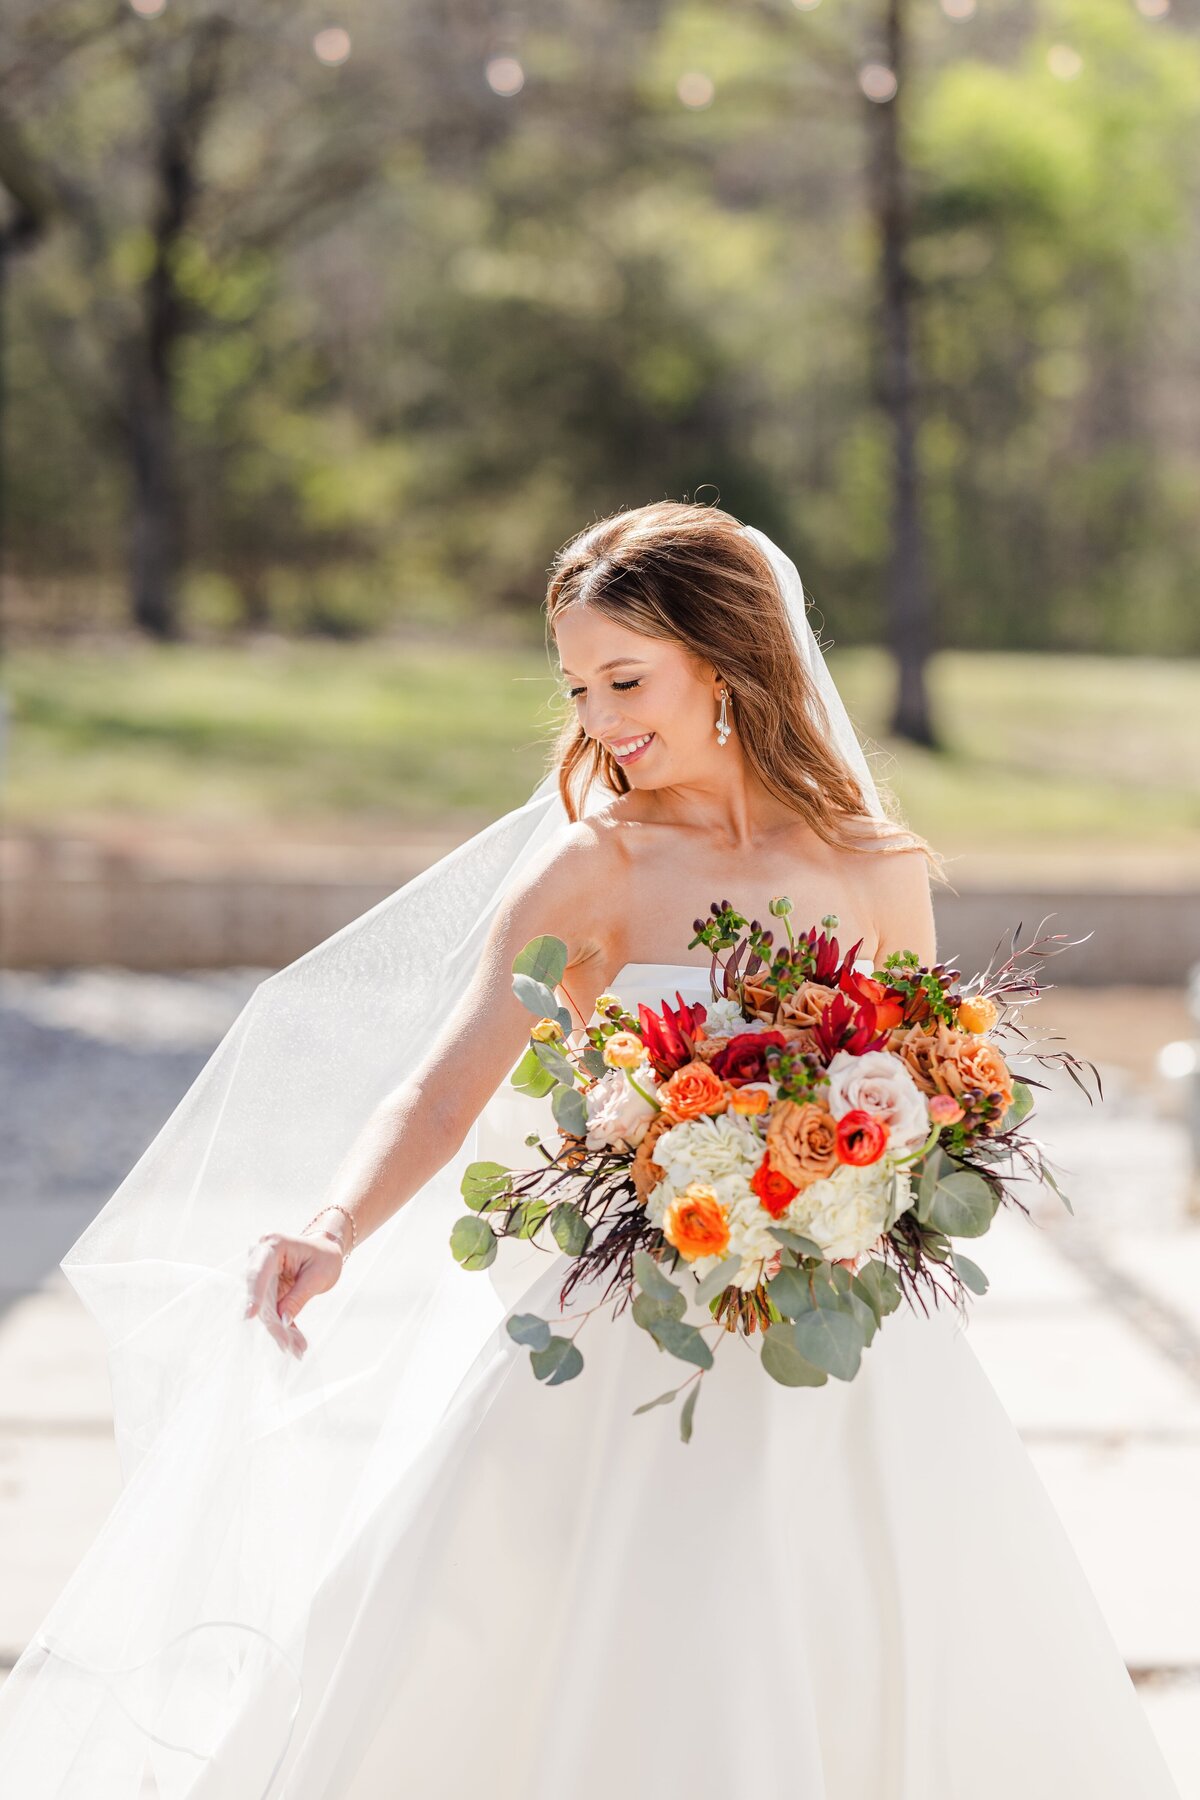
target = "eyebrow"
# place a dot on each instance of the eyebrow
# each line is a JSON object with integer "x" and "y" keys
{"x": 616, "y": 663}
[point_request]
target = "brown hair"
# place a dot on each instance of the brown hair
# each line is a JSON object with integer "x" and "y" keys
{"x": 690, "y": 572}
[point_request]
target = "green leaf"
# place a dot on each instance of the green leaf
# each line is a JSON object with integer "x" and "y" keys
{"x": 529, "y": 1077}
{"x": 718, "y": 1279}
{"x": 862, "y": 1311}
{"x": 527, "y": 1328}
{"x": 687, "y": 1414}
{"x": 526, "y": 1219}
{"x": 969, "y": 1273}
{"x": 880, "y": 1286}
{"x": 1020, "y": 1106}
{"x": 648, "y": 1309}
{"x": 650, "y": 1277}
{"x": 593, "y": 1061}
{"x": 561, "y": 1360}
{"x": 784, "y": 1363}
{"x": 1047, "y": 1175}
{"x": 555, "y": 1063}
{"x": 649, "y": 1405}
{"x": 960, "y": 1204}
{"x": 473, "y": 1242}
{"x": 681, "y": 1340}
{"x": 792, "y": 1239}
{"x": 540, "y": 1000}
{"x": 571, "y": 1230}
{"x": 789, "y": 1292}
{"x": 482, "y": 1184}
{"x": 832, "y": 1340}
{"x": 543, "y": 958}
{"x": 569, "y": 1110}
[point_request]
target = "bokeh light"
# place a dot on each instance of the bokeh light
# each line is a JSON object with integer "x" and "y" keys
{"x": 1063, "y": 62}
{"x": 505, "y": 76}
{"x": 695, "y": 89}
{"x": 805, "y": 5}
{"x": 331, "y": 46}
{"x": 958, "y": 9}
{"x": 1153, "y": 9}
{"x": 148, "y": 9}
{"x": 877, "y": 81}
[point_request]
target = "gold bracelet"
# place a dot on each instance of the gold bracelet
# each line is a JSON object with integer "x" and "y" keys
{"x": 334, "y": 1206}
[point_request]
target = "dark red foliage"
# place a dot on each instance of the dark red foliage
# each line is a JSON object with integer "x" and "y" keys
{"x": 845, "y": 1026}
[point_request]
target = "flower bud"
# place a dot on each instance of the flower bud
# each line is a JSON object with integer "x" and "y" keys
{"x": 546, "y": 1031}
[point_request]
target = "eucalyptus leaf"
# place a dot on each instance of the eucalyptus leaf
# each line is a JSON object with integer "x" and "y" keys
{"x": 960, "y": 1204}
{"x": 1020, "y": 1106}
{"x": 526, "y": 1220}
{"x": 794, "y": 1241}
{"x": 832, "y": 1340}
{"x": 969, "y": 1273}
{"x": 560, "y": 1361}
{"x": 529, "y": 1077}
{"x": 864, "y": 1313}
{"x": 554, "y": 1062}
{"x": 648, "y": 1309}
{"x": 571, "y": 1230}
{"x": 593, "y": 1061}
{"x": 880, "y": 1285}
{"x": 650, "y": 1277}
{"x": 540, "y": 1000}
{"x": 784, "y": 1363}
{"x": 717, "y": 1280}
{"x": 527, "y": 1328}
{"x": 482, "y": 1184}
{"x": 544, "y": 958}
{"x": 663, "y": 1399}
{"x": 1047, "y": 1175}
{"x": 569, "y": 1110}
{"x": 789, "y": 1291}
{"x": 683, "y": 1341}
{"x": 687, "y": 1413}
{"x": 473, "y": 1242}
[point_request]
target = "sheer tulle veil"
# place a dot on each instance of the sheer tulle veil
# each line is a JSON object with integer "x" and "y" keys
{"x": 247, "y": 1476}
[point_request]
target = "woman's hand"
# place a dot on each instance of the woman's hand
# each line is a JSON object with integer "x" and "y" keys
{"x": 282, "y": 1275}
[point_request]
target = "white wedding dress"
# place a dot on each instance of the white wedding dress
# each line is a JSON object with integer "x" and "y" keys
{"x": 859, "y": 1591}
{"x": 854, "y": 1592}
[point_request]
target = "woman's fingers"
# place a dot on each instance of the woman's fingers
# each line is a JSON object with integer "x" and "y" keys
{"x": 262, "y": 1281}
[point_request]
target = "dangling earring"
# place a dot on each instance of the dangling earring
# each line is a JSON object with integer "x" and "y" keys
{"x": 723, "y": 725}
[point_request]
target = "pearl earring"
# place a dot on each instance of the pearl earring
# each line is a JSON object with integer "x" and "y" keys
{"x": 723, "y": 725}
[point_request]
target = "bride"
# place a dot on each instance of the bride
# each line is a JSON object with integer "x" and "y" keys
{"x": 360, "y": 1552}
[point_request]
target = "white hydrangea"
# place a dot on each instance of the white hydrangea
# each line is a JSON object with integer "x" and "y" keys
{"x": 724, "y": 1018}
{"x": 847, "y": 1212}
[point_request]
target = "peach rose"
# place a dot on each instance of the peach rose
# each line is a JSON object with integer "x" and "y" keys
{"x": 802, "y": 1141}
{"x": 944, "y": 1061}
{"x": 646, "y": 1173}
{"x": 697, "y": 1223}
{"x": 693, "y": 1091}
{"x": 805, "y": 1006}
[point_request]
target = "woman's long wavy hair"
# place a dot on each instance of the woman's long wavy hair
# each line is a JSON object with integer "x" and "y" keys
{"x": 689, "y": 572}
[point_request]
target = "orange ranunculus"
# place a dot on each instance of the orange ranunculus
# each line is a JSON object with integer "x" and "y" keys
{"x": 889, "y": 1007}
{"x": 693, "y": 1091}
{"x": 861, "y": 1137}
{"x": 750, "y": 1101}
{"x": 774, "y": 1190}
{"x": 624, "y": 1050}
{"x": 977, "y": 1014}
{"x": 697, "y": 1223}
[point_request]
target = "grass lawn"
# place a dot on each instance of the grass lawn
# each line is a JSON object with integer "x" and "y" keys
{"x": 1066, "y": 760}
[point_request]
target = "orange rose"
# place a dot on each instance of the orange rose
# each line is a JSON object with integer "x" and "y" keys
{"x": 802, "y": 1141}
{"x": 697, "y": 1223}
{"x": 693, "y": 1091}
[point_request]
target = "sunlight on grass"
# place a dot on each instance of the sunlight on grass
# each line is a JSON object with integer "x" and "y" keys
{"x": 1050, "y": 751}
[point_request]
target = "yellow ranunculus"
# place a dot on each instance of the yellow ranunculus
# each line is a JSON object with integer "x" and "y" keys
{"x": 546, "y": 1030}
{"x": 624, "y": 1050}
{"x": 604, "y": 1001}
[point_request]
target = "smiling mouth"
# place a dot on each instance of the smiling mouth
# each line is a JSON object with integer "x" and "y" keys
{"x": 633, "y": 748}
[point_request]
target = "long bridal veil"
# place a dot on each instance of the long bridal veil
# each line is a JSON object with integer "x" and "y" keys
{"x": 181, "y": 1647}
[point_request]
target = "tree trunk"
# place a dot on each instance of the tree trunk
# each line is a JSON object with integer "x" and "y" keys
{"x": 155, "y": 547}
{"x": 908, "y": 600}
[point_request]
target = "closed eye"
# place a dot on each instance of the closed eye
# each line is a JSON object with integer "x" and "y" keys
{"x": 623, "y": 686}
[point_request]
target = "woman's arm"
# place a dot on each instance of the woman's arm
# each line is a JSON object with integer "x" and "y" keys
{"x": 902, "y": 906}
{"x": 418, "y": 1127}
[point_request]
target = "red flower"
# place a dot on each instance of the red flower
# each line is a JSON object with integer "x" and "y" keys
{"x": 861, "y": 1137}
{"x": 744, "y": 1057}
{"x": 845, "y": 1026}
{"x": 670, "y": 1037}
{"x": 865, "y": 991}
{"x": 774, "y": 1190}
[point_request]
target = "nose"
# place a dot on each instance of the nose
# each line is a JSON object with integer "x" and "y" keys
{"x": 600, "y": 716}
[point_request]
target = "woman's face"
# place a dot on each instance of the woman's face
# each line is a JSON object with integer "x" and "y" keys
{"x": 645, "y": 698}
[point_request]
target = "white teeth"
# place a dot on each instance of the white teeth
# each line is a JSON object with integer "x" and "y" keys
{"x": 632, "y": 745}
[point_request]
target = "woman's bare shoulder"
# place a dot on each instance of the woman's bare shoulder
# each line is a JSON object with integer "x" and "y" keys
{"x": 896, "y": 886}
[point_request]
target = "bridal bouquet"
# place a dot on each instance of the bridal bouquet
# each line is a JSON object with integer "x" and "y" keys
{"x": 795, "y": 1159}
